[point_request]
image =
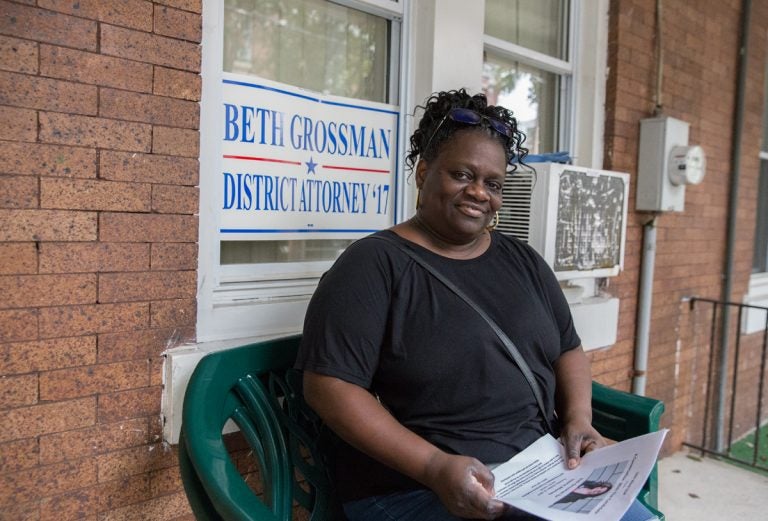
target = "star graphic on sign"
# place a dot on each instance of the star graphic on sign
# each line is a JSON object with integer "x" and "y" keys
{"x": 311, "y": 166}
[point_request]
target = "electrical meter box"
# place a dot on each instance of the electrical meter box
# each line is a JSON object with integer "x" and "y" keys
{"x": 657, "y": 190}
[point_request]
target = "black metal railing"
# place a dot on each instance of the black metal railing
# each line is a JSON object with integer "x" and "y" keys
{"x": 728, "y": 401}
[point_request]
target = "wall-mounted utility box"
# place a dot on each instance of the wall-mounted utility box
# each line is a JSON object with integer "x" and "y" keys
{"x": 656, "y": 191}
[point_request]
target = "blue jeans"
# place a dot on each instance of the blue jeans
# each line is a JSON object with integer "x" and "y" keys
{"x": 423, "y": 505}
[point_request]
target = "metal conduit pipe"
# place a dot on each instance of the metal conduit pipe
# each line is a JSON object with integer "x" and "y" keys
{"x": 733, "y": 201}
{"x": 644, "y": 300}
{"x": 648, "y": 254}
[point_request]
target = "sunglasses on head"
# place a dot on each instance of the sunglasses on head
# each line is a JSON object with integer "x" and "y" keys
{"x": 474, "y": 118}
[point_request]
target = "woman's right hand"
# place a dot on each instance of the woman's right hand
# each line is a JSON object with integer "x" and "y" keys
{"x": 464, "y": 485}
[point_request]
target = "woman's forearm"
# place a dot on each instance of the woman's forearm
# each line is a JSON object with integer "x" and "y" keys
{"x": 574, "y": 385}
{"x": 574, "y": 405}
{"x": 463, "y": 484}
{"x": 358, "y": 418}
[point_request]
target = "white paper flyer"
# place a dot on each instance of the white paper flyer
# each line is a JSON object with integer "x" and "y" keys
{"x": 601, "y": 488}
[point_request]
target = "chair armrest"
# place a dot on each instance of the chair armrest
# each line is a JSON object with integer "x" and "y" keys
{"x": 619, "y": 415}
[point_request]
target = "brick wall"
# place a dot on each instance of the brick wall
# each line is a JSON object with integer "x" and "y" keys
{"x": 98, "y": 174}
{"x": 700, "y": 44}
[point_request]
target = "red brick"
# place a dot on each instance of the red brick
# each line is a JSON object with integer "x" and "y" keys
{"x": 44, "y": 355}
{"x": 47, "y": 160}
{"x": 175, "y": 199}
{"x": 136, "y": 14}
{"x": 94, "y": 440}
{"x": 88, "y": 257}
{"x": 71, "y": 506}
{"x": 124, "y": 491}
{"x": 177, "y": 24}
{"x": 95, "y": 69}
{"x": 47, "y": 290}
{"x": 177, "y": 84}
{"x": 47, "y": 26}
{"x": 18, "y": 324}
{"x": 18, "y": 391}
{"x": 36, "y": 420}
{"x": 129, "y": 404}
{"x": 173, "y": 313}
{"x": 141, "y": 344}
{"x": 176, "y": 142}
{"x": 164, "y": 508}
{"x": 196, "y": 6}
{"x": 135, "y": 461}
{"x": 88, "y": 131}
{"x": 173, "y": 256}
{"x": 150, "y": 48}
{"x": 18, "y": 55}
{"x": 86, "y": 194}
{"x": 148, "y": 168}
{"x": 18, "y": 192}
{"x": 18, "y": 124}
{"x": 99, "y": 498}
{"x": 87, "y": 320}
{"x": 149, "y": 108}
{"x": 47, "y": 225}
{"x": 146, "y": 227}
{"x": 154, "y": 285}
{"x": 31, "y": 484}
{"x": 75, "y": 382}
{"x": 34, "y": 92}
{"x": 156, "y": 370}
{"x": 165, "y": 481}
{"x": 19, "y": 258}
{"x": 19, "y": 455}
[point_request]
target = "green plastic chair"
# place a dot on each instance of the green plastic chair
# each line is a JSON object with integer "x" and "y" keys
{"x": 255, "y": 386}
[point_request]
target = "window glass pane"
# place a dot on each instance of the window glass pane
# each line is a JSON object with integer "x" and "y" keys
{"x": 246, "y": 252}
{"x": 760, "y": 260}
{"x": 316, "y": 45}
{"x": 765, "y": 114}
{"x": 535, "y": 24}
{"x": 532, "y": 94}
{"x": 312, "y": 44}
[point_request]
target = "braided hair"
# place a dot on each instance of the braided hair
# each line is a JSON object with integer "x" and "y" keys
{"x": 430, "y": 136}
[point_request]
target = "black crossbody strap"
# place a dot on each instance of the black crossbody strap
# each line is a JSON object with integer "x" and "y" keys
{"x": 511, "y": 348}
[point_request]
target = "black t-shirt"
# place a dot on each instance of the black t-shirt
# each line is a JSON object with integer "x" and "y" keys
{"x": 381, "y": 321}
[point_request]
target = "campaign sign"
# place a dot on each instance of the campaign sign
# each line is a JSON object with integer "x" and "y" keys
{"x": 301, "y": 165}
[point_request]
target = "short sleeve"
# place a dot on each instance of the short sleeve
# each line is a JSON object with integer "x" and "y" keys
{"x": 346, "y": 320}
{"x": 569, "y": 338}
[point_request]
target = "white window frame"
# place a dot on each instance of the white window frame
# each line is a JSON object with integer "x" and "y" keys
{"x": 584, "y": 74}
{"x": 239, "y": 303}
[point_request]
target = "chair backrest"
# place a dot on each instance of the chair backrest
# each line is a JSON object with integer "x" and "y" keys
{"x": 255, "y": 387}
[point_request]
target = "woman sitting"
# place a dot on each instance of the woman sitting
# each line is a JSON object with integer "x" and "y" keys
{"x": 415, "y": 382}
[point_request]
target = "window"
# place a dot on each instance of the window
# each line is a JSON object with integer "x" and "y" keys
{"x": 757, "y": 292}
{"x": 546, "y": 61}
{"x": 346, "y": 51}
{"x": 311, "y": 44}
{"x": 527, "y": 68}
{"x": 760, "y": 259}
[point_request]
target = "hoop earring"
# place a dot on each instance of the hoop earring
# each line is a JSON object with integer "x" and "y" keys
{"x": 495, "y": 222}
{"x": 418, "y": 198}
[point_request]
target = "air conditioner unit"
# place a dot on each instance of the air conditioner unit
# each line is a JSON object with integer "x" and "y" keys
{"x": 575, "y": 217}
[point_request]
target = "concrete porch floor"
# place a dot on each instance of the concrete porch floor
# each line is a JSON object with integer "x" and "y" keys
{"x": 705, "y": 489}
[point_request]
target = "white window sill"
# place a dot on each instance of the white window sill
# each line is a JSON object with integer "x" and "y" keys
{"x": 754, "y": 319}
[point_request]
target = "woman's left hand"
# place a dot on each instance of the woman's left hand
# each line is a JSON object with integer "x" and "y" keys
{"x": 579, "y": 437}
